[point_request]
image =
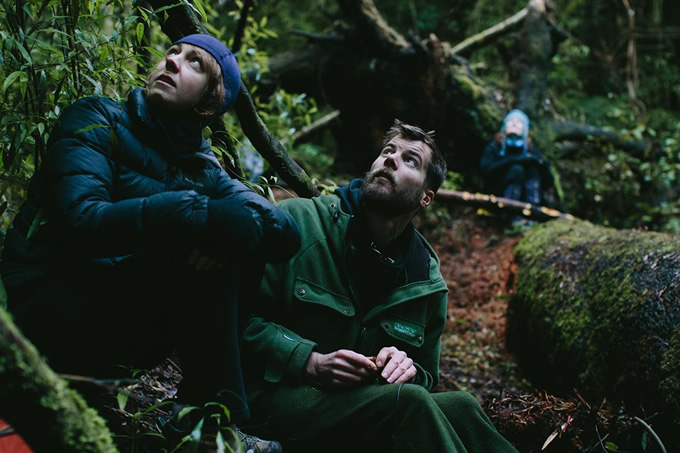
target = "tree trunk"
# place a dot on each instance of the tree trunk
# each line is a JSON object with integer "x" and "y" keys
{"x": 39, "y": 405}
{"x": 533, "y": 61}
{"x": 599, "y": 309}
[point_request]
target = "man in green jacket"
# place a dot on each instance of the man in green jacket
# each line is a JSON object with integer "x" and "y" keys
{"x": 343, "y": 349}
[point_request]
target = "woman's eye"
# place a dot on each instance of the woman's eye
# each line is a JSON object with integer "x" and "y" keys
{"x": 196, "y": 62}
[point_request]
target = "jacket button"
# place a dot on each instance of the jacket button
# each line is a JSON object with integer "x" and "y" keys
{"x": 388, "y": 325}
{"x": 302, "y": 292}
{"x": 420, "y": 338}
{"x": 348, "y": 311}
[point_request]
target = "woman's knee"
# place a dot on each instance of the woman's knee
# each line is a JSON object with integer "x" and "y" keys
{"x": 515, "y": 175}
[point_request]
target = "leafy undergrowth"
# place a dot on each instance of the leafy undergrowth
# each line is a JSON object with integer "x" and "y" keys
{"x": 476, "y": 253}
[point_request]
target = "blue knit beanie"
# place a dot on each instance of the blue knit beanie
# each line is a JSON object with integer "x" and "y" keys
{"x": 231, "y": 75}
{"x": 516, "y": 113}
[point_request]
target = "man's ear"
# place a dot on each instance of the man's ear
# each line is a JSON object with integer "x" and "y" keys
{"x": 428, "y": 196}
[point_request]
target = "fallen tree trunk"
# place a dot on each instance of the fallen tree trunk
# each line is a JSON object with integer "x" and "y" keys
{"x": 599, "y": 309}
{"x": 577, "y": 132}
{"x": 39, "y": 405}
{"x": 487, "y": 201}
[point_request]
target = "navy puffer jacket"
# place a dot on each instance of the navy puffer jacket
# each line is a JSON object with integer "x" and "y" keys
{"x": 118, "y": 180}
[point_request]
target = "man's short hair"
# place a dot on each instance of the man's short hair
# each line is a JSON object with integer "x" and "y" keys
{"x": 436, "y": 169}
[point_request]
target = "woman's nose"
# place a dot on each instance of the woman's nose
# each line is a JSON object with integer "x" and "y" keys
{"x": 171, "y": 63}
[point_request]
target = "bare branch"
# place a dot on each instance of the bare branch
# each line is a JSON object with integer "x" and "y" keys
{"x": 313, "y": 128}
{"x": 482, "y": 200}
{"x": 490, "y": 34}
{"x": 241, "y": 26}
{"x": 270, "y": 148}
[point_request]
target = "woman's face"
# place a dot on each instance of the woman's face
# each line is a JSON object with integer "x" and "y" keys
{"x": 514, "y": 126}
{"x": 180, "y": 80}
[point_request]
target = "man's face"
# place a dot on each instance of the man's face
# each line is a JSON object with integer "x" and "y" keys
{"x": 514, "y": 126}
{"x": 180, "y": 79}
{"x": 395, "y": 185}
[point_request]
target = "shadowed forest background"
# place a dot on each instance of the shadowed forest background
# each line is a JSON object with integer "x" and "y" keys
{"x": 568, "y": 332}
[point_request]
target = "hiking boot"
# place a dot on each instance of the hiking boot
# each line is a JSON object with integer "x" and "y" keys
{"x": 253, "y": 444}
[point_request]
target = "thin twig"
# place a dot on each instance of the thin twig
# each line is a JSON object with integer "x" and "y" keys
{"x": 241, "y": 26}
{"x": 316, "y": 126}
{"x": 651, "y": 431}
{"x": 333, "y": 37}
{"x": 599, "y": 438}
{"x": 106, "y": 383}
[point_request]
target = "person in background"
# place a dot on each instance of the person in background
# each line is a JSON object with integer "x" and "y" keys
{"x": 134, "y": 243}
{"x": 343, "y": 349}
{"x": 512, "y": 167}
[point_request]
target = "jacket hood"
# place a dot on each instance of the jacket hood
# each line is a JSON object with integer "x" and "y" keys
{"x": 350, "y": 196}
{"x": 516, "y": 113}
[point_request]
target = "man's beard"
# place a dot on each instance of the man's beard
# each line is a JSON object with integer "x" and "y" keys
{"x": 392, "y": 203}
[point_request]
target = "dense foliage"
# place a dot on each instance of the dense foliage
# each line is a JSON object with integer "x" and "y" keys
{"x": 54, "y": 52}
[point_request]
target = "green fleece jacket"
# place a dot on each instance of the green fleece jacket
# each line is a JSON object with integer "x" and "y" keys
{"x": 307, "y": 304}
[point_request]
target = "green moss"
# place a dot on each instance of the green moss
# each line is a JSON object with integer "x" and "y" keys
{"x": 670, "y": 369}
{"x": 597, "y": 306}
{"x": 34, "y": 398}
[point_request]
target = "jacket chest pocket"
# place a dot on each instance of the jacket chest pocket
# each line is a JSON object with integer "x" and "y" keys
{"x": 327, "y": 318}
{"x": 404, "y": 330}
{"x": 311, "y": 293}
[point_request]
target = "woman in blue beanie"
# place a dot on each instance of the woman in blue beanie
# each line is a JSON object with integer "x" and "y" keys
{"x": 134, "y": 243}
{"x": 511, "y": 165}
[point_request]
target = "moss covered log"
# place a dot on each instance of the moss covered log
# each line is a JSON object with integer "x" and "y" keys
{"x": 599, "y": 309}
{"x": 39, "y": 405}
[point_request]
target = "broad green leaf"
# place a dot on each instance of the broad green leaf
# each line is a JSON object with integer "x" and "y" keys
{"x": 611, "y": 446}
{"x": 197, "y": 5}
{"x": 25, "y": 54}
{"x": 122, "y": 398}
{"x": 140, "y": 33}
{"x": 219, "y": 440}
{"x": 11, "y": 78}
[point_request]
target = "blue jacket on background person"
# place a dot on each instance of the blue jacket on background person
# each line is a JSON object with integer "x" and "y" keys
{"x": 511, "y": 165}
